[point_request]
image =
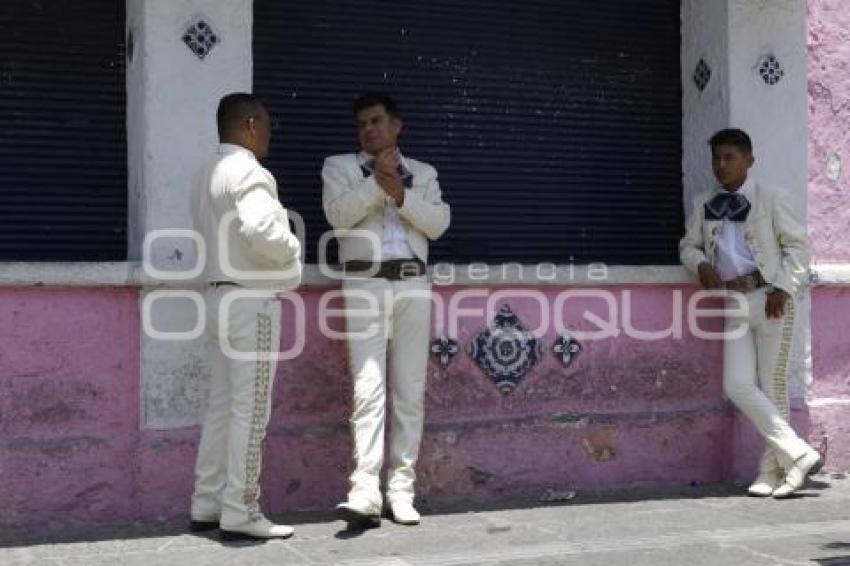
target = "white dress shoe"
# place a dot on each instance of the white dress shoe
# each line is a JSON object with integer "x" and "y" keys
{"x": 803, "y": 466}
{"x": 359, "y": 514}
{"x": 765, "y": 483}
{"x": 257, "y": 528}
{"x": 403, "y": 513}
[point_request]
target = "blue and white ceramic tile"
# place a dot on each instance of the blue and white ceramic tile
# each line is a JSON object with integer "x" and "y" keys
{"x": 771, "y": 70}
{"x": 702, "y": 74}
{"x": 566, "y": 348}
{"x": 505, "y": 350}
{"x": 444, "y": 349}
{"x": 200, "y": 37}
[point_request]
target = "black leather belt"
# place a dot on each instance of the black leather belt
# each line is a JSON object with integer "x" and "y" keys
{"x": 393, "y": 270}
{"x": 745, "y": 283}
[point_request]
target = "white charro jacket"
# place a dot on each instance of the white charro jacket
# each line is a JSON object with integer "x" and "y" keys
{"x": 353, "y": 201}
{"x": 775, "y": 234}
{"x": 246, "y": 230}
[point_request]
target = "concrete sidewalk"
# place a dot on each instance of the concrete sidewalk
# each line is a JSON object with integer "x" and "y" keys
{"x": 713, "y": 525}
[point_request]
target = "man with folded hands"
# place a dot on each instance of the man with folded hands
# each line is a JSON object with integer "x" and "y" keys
{"x": 393, "y": 206}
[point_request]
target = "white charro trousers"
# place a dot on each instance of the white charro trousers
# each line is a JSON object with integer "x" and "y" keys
{"x": 227, "y": 471}
{"x": 395, "y": 333}
{"x": 755, "y": 378}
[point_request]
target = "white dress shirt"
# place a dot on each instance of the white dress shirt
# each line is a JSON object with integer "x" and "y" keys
{"x": 734, "y": 257}
{"x": 394, "y": 243}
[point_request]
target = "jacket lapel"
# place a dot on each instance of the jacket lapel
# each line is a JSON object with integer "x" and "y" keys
{"x": 756, "y": 212}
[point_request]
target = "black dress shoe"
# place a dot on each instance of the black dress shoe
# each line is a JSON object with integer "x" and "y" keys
{"x": 357, "y": 519}
{"x": 202, "y": 526}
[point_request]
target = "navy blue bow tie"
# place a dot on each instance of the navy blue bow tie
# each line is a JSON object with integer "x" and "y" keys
{"x": 732, "y": 206}
{"x": 406, "y": 176}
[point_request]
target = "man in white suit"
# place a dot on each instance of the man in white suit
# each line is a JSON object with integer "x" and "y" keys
{"x": 395, "y": 204}
{"x": 747, "y": 238}
{"x": 249, "y": 246}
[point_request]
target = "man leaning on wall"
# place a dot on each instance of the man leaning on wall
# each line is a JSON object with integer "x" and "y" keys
{"x": 747, "y": 239}
{"x": 251, "y": 254}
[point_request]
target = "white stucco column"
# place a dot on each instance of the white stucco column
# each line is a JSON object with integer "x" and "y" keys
{"x": 777, "y": 118}
{"x": 705, "y": 37}
{"x": 735, "y": 38}
{"x": 172, "y": 95}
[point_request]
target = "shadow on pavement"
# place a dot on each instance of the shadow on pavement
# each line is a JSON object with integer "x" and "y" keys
{"x": 176, "y": 527}
{"x": 835, "y": 560}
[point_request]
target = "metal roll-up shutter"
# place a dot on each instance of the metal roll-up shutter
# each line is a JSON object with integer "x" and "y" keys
{"x": 555, "y": 125}
{"x": 63, "y": 156}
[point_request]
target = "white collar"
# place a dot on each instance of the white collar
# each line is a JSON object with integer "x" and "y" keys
{"x": 364, "y": 157}
{"x": 228, "y": 148}
{"x": 747, "y": 189}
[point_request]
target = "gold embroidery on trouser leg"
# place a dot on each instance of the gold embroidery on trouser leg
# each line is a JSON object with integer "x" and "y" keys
{"x": 780, "y": 370}
{"x": 258, "y": 414}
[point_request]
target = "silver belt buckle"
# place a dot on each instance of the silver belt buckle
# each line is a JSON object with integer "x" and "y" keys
{"x": 408, "y": 269}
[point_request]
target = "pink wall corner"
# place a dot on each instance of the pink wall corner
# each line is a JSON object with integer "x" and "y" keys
{"x": 829, "y": 128}
{"x": 69, "y": 367}
{"x": 830, "y": 431}
{"x": 829, "y": 199}
{"x": 831, "y": 341}
{"x": 831, "y": 361}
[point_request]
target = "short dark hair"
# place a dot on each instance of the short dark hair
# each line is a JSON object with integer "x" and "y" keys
{"x": 732, "y": 136}
{"x": 370, "y": 99}
{"x": 233, "y": 110}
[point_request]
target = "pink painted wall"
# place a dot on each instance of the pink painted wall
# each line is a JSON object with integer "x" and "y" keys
{"x": 627, "y": 413}
{"x": 829, "y": 200}
{"x": 69, "y": 404}
{"x": 829, "y": 127}
{"x": 611, "y": 420}
{"x": 831, "y": 358}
